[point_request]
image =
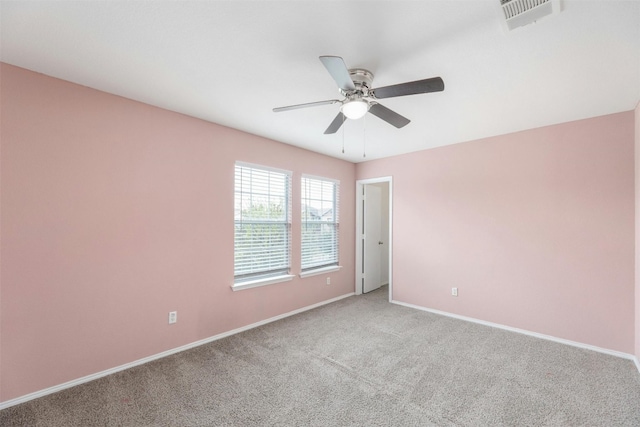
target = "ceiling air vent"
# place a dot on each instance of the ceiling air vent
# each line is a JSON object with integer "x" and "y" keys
{"x": 518, "y": 13}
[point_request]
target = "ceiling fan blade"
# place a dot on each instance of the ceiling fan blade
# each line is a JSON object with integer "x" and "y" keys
{"x": 335, "y": 124}
{"x": 434, "y": 84}
{"x": 309, "y": 104}
{"x": 336, "y": 67}
{"x": 388, "y": 115}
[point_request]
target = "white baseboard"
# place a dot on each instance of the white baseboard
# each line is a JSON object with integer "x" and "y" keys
{"x": 85, "y": 379}
{"x": 525, "y": 332}
{"x": 637, "y": 362}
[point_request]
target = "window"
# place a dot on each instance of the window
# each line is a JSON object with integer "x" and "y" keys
{"x": 319, "y": 223}
{"x": 262, "y": 223}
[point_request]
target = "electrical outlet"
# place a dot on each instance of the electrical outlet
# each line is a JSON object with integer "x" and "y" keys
{"x": 173, "y": 317}
{"x": 454, "y": 292}
{"x": 328, "y": 280}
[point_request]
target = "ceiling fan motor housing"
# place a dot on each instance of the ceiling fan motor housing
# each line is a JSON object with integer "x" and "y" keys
{"x": 362, "y": 80}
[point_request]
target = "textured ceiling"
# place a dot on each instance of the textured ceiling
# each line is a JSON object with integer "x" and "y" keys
{"x": 231, "y": 62}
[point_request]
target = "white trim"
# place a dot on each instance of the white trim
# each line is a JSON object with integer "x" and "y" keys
{"x": 375, "y": 180}
{"x": 524, "y": 332}
{"x": 263, "y": 167}
{"x": 318, "y": 271}
{"x": 359, "y": 185}
{"x": 321, "y": 178}
{"x": 390, "y": 263}
{"x": 72, "y": 383}
{"x": 262, "y": 282}
{"x": 637, "y": 362}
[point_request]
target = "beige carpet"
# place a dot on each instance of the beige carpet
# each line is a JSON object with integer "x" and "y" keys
{"x": 357, "y": 362}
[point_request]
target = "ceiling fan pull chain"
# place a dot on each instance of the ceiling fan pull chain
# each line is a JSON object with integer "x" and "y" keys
{"x": 343, "y": 119}
{"x": 364, "y": 137}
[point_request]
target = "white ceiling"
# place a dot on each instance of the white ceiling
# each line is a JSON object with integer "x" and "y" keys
{"x": 231, "y": 62}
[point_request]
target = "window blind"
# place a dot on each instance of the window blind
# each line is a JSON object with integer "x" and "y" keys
{"x": 319, "y": 199}
{"x": 262, "y": 222}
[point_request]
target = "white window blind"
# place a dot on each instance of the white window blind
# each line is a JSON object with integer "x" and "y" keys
{"x": 262, "y": 222}
{"x": 319, "y": 222}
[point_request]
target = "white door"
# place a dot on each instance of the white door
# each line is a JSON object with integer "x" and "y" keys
{"x": 372, "y": 238}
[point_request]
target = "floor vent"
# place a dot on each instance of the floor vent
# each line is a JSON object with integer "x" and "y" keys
{"x": 518, "y": 13}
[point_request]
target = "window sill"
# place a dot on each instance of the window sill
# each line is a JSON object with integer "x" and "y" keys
{"x": 318, "y": 271}
{"x": 262, "y": 282}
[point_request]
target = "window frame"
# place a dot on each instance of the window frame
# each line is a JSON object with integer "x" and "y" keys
{"x": 264, "y": 277}
{"x": 333, "y": 265}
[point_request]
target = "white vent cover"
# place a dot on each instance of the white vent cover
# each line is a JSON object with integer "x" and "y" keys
{"x": 518, "y": 13}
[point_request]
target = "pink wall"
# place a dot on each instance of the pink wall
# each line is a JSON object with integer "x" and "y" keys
{"x": 115, "y": 213}
{"x": 535, "y": 229}
{"x": 637, "y": 171}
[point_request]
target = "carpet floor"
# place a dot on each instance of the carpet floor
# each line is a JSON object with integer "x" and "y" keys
{"x": 360, "y": 361}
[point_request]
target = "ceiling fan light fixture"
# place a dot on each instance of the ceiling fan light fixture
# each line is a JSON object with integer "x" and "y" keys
{"x": 355, "y": 109}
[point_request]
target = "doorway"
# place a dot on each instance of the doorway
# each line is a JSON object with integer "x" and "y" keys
{"x": 374, "y": 235}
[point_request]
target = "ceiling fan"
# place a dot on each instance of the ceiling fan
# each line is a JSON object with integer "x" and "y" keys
{"x": 359, "y": 97}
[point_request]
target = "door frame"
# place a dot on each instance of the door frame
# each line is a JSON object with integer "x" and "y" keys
{"x": 359, "y": 231}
